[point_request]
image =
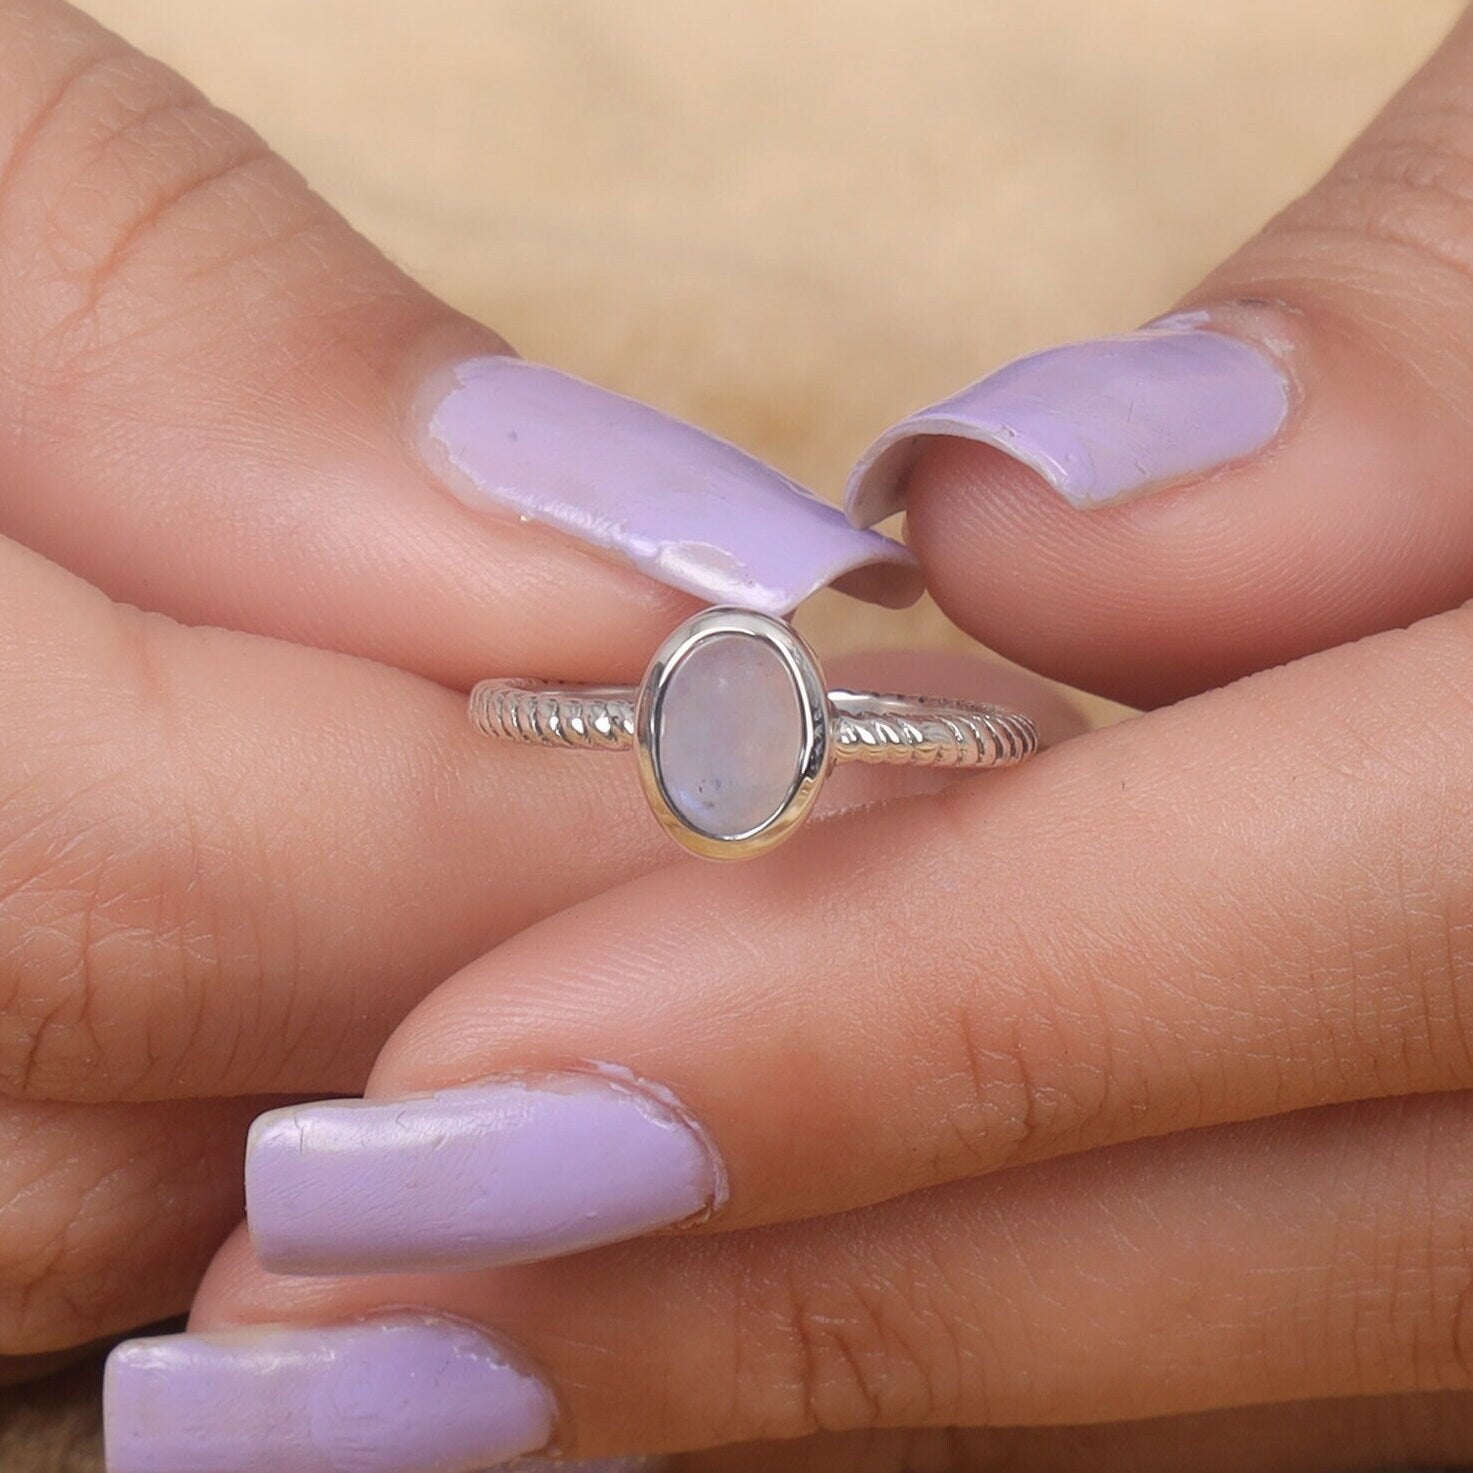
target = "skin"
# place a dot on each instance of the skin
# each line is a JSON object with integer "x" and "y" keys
{"x": 220, "y": 884}
{"x": 194, "y": 897}
{"x": 1246, "y": 913}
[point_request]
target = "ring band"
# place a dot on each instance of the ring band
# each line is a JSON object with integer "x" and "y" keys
{"x": 736, "y": 730}
{"x": 924, "y": 731}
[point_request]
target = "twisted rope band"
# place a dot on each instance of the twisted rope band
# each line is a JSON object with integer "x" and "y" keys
{"x": 584, "y": 718}
{"x": 923, "y": 731}
{"x": 928, "y": 731}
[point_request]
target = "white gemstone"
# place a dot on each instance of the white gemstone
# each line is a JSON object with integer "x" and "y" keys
{"x": 731, "y": 735}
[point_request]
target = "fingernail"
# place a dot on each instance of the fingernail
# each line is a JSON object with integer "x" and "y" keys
{"x": 499, "y": 1173}
{"x": 680, "y": 505}
{"x": 1100, "y": 421}
{"x": 401, "y": 1395}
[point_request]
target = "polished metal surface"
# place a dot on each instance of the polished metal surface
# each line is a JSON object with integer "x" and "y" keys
{"x": 837, "y": 726}
{"x": 867, "y": 726}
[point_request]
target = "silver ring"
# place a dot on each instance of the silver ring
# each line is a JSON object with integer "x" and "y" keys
{"x": 736, "y": 729}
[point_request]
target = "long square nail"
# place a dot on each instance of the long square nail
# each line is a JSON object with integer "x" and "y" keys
{"x": 681, "y": 505}
{"x": 499, "y": 1173}
{"x": 403, "y": 1395}
{"x": 1099, "y": 421}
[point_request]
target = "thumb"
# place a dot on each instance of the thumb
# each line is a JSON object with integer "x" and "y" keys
{"x": 1280, "y": 465}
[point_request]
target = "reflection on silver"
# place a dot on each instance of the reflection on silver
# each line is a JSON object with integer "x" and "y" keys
{"x": 829, "y": 726}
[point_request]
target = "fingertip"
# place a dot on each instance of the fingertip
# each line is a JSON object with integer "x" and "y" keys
{"x": 1014, "y": 566}
{"x": 233, "y": 1268}
{"x": 1142, "y": 602}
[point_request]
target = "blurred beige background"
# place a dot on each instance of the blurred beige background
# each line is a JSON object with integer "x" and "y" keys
{"x": 788, "y": 220}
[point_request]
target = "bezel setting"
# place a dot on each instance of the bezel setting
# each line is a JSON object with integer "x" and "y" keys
{"x": 812, "y": 762}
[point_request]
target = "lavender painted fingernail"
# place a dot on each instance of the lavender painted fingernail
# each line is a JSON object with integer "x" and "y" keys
{"x": 677, "y": 503}
{"x": 409, "y": 1394}
{"x": 498, "y": 1173}
{"x": 1100, "y": 421}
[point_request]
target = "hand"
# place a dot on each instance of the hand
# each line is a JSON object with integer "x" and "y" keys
{"x": 910, "y": 1099}
{"x": 233, "y": 857}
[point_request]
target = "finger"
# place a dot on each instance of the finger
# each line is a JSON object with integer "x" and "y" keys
{"x": 324, "y": 840}
{"x": 1365, "y": 1434}
{"x": 1115, "y": 940}
{"x": 1278, "y": 468}
{"x": 1317, "y": 1255}
{"x": 220, "y": 402}
{"x": 109, "y": 1215}
{"x": 231, "y": 865}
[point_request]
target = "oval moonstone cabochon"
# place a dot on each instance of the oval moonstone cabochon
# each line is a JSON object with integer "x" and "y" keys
{"x": 731, "y": 735}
